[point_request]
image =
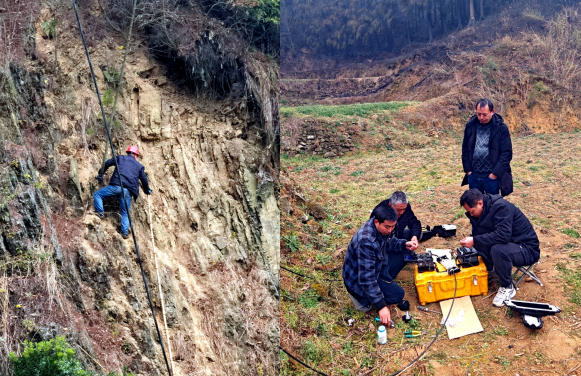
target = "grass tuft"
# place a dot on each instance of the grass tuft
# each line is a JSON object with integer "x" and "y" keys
{"x": 357, "y": 109}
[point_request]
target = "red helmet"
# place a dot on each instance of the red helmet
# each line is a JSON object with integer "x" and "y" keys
{"x": 133, "y": 149}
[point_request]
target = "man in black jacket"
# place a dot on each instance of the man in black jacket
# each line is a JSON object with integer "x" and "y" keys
{"x": 487, "y": 151}
{"x": 503, "y": 235}
{"x": 131, "y": 173}
{"x": 408, "y": 226}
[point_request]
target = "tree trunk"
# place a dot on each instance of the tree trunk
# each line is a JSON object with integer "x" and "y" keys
{"x": 408, "y": 30}
{"x": 443, "y": 17}
{"x": 390, "y": 41}
{"x": 481, "y": 10}
{"x": 471, "y": 22}
{"x": 429, "y": 19}
{"x": 459, "y": 13}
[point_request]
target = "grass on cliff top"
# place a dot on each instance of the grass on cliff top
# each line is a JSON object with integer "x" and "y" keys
{"x": 357, "y": 109}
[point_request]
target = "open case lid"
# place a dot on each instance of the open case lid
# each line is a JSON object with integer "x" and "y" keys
{"x": 532, "y": 308}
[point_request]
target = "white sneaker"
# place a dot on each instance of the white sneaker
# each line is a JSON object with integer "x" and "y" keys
{"x": 503, "y": 294}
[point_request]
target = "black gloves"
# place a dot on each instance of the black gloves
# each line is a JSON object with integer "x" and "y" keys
{"x": 100, "y": 179}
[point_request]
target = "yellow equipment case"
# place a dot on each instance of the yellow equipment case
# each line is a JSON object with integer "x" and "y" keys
{"x": 433, "y": 286}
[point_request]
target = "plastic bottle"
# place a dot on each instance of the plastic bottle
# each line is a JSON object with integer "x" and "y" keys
{"x": 381, "y": 335}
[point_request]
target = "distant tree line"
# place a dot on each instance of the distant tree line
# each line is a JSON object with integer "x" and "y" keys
{"x": 345, "y": 27}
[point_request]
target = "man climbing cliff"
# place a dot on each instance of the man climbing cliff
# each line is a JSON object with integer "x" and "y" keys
{"x": 130, "y": 173}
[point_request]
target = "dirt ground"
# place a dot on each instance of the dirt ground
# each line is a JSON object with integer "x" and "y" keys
{"x": 314, "y": 312}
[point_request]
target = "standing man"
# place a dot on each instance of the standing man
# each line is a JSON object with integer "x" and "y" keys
{"x": 487, "y": 151}
{"x": 408, "y": 226}
{"x": 131, "y": 173}
{"x": 503, "y": 235}
{"x": 372, "y": 262}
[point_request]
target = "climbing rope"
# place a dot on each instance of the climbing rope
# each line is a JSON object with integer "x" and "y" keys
{"x": 121, "y": 184}
{"x": 159, "y": 282}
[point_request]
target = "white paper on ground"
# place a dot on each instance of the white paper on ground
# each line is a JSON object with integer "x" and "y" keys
{"x": 470, "y": 323}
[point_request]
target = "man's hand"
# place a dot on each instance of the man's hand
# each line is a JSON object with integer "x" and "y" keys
{"x": 411, "y": 245}
{"x": 100, "y": 179}
{"x": 384, "y": 316}
{"x": 469, "y": 172}
{"x": 467, "y": 242}
{"x": 415, "y": 239}
{"x": 493, "y": 177}
{"x": 148, "y": 192}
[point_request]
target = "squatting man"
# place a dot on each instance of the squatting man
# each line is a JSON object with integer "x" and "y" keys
{"x": 372, "y": 262}
{"x": 503, "y": 235}
{"x": 500, "y": 233}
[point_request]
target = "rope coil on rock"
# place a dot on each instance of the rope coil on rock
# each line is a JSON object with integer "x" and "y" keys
{"x": 121, "y": 184}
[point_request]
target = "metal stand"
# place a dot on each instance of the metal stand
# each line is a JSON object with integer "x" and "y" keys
{"x": 526, "y": 271}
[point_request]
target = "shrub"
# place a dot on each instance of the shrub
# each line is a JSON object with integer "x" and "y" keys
{"x": 47, "y": 358}
{"x": 51, "y": 358}
{"x": 107, "y": 97}
{"x": 49, "y": 27}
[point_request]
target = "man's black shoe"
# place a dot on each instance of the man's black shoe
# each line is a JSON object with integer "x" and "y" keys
{"x": 125, "y": 236}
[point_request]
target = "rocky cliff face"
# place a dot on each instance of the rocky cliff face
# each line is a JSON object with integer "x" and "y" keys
{"x": 215, "y": 219}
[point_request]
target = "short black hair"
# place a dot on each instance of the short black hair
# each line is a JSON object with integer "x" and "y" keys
{"x": 483, "y": 103}
{"x": 383, "y": 212}
{"x": 130, "y": 153}
{"x": 471, "y": 197}
{"x": 382, "y": 203}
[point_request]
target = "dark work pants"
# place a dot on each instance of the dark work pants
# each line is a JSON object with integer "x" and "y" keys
{"x": 392, "y": 292}
{"x": 407, "y": 234}
{"x": 505, "y": 256}
{"x": 484, "y": 185}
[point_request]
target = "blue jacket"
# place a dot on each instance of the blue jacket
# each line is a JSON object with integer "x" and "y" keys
{"x": 131, "y": 172}
{"x": 367, "y": 254}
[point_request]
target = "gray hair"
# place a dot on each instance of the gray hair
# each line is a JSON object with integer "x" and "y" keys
{"x": 398, "y": 197}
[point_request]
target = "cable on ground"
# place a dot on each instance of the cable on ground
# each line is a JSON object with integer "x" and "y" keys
{"x": 413, "y": 361}
{"x": 121, "y": 184}
{"x": 298, "y": 360}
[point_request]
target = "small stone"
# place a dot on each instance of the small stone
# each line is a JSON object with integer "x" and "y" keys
{"x": 529, "y": 161}
{"x": 527, "y": 183}
{"x": 305, "y": 218}
{"x": 220, "y": 242}
{"x": 329, "y": 154}
{"x": 310, "y": 137}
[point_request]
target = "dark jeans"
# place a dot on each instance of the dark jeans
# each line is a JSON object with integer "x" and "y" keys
{"x": 392, "y": 292}
{"x": 484, "y": 185}
{"x": 505, "y": 256}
